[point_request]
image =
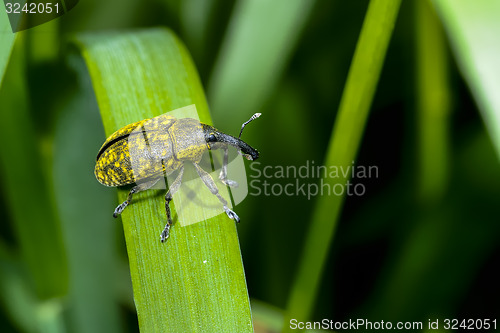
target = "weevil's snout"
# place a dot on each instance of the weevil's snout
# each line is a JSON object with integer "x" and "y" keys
{"x": 216, "y": 139}
{"x": 245, "y": 149}
{"x": 249, "y": 153}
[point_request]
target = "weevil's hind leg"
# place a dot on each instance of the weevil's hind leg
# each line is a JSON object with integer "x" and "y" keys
{"x": 209, "y": 182}
{"x": 223, "y": 171}
{"x": 174, "y": 187}
{"x": 136, "y": 189}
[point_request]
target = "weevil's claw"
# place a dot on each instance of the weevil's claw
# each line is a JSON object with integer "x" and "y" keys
{"x": 120, "y": 209}
{"x": 232, "y": 215}
{"x": 165, "y": 233}
{"x": 230, "y": 183}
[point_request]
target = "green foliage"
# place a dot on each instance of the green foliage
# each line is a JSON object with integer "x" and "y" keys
{"x": 473, "y": 30}
{"x": 264, "y": 54}
{"x": 37, "y": 227}
{"x": 433, "y": 104}
{"x": 6, "y": 43}
{"x": 34, "y": 276}
{"x": 84, "y": 208}
{"x": 342, "y": 150}
{"x": 420, "y": 243}
{"x": 194, "y": 282}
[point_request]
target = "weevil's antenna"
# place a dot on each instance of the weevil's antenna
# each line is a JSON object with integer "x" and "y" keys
{"x": 255, "y": 116}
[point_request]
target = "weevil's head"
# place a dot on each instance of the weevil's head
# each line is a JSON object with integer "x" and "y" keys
{"x": 216, "y": 139}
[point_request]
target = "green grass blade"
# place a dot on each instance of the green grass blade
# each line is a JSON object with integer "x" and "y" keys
{"x": 194, "y": 282}
{"x": 260, "y": 39}
{"x": 195, "y": 20}
{"x": 344, "y": 144}
{"x": 16, "y": 296}
{"x": 7, "y": 38}
{"x": 20, "y": 303}
{"x": 433, "y": 104}
{"x": 83, "y": 206}
{"x": 423, "y": 258}
{"x": 29, "y": 197}
{"x": 473, "y": 28}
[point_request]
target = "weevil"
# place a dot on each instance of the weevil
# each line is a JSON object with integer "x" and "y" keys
{"x": 146, "y": 151}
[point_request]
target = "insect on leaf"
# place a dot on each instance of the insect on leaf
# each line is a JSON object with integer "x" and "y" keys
{"x": 195, "y": 281}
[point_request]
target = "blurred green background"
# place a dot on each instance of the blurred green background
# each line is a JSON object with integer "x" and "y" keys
{"x": 421, "y": 243}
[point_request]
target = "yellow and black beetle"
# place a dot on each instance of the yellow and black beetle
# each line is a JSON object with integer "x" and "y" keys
{"x": 149, "y": 150}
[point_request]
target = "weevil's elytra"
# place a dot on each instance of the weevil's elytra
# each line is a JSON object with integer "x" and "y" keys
{"x": 144, "y": 152}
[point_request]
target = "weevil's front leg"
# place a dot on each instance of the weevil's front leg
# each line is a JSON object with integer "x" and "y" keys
{"x": 136, "y": 189}
{"x": 223, "y": 171}
{"x": 174, "y": 187}
{"x": 209, "y": 182}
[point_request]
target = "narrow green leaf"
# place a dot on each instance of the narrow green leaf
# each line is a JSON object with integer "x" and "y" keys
{"x": 44, "y": 42}
{"x": 473, "y": 28}
{"x": 342, "y": 150}
{"x": 433, "y": 104}
{"x": 260, "y": 39}
{"x": 21, "y": 305}
{"x": 195, "y": 281}
{"x": 432, "y": 240}
{"x": 83, "y": 206}
{"x": 195, "y": 18}
{"x": 27, "y": 192}
{"x": 7, "y": 38}
{"x": 16, "y": 296}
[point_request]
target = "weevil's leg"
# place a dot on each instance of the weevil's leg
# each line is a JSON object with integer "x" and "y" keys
{"x": 174, "y": 187}
{"x": 209, "y": 182}
{"x": 139, "y": 188}
{"x": 223, "y": 171}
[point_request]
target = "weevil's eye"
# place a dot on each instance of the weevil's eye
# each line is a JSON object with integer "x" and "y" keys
{"x": 211, "y": 138}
